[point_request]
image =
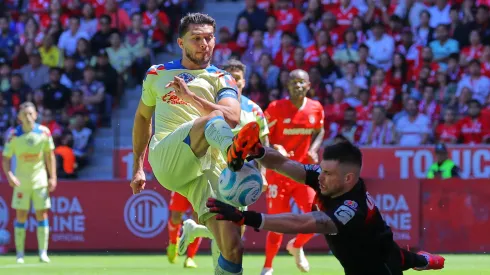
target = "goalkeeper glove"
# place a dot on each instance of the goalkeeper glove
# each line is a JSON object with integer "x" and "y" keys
{"x": 231, "y": 213}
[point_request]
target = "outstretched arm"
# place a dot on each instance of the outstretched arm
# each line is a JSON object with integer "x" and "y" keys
{"x": 274, "y": 160}
{"x": 141, "y": 134}
{"x": 289, "y": 223}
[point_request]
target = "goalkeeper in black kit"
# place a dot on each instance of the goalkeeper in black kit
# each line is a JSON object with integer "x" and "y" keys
{"x": 347, "y": 215}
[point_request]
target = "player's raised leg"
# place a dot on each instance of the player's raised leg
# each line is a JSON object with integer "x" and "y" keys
{"x": 42, "y": 203}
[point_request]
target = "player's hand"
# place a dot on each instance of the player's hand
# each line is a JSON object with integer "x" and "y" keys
{"x": 138, "y": 182}
{"x": 225, "y": 211}
{"x": 181, "y": 89}
{"x": 313, "y": 156}
{"x": 52, "y": 183}
{"x": 283, "y": 151}
{"x": 13, "y": 181}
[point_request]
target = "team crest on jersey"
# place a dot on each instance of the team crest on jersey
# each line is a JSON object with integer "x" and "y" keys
{"x": 311, "y": 119}
{"x": 187, "y": 77}
{"x": 351, "y": 204}
{"x": 30, "y": 141}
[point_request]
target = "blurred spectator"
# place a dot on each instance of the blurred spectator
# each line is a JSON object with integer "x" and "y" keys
{"x": 364, "y": 68}
{"x": 445, "y": 91}
{"x": 443, "y": 46}
{"x": 7, "y": 113}
{"x": 83, "y": 54}
{"x": 454, "y": 70}
{"x": 65, "y": 157}
{"x": 306, "y": 26}
{"x": 439, "y": 13}
{"x": 55, "y": 94}
{"x": 273, "y": 36}
{"x": 136, "y": 42}
{"x": 329, "y": 71}
{"x": 9, "y": 42}
{"x": 318, "y": 90}
{"x": 119, "y": 56}
{"x": 478, "y": 84}
{"x": 288, "y": 17}
{"x": 255, "y": 16}
{"x": 71, "y": 74}
{"x": 82, "y": 140}
{"x": 429, "y": 105}
{"x": 93, "y": 94}
{"x": 448, "y": 131}
{"x": 320, "y": 45}
{"x": 157, "y": 24}
{"x": 352, "y": 83}
{"x": 286, "y": 52}
{"x": 475, "y": 128}
{"x": 252, "y": 55}
{"x": 298, "y": 61}
{"x": 35, "y": 74}
{"x": 381, "y": 47}
{"x": 444, "y": 167}
{"x": 364, "y": 110}
{"x": 119, "y": 17}
{"x": 225, "y": 47}
{"x": 106, "y": 74}
{"x": 423, "y": 32}
{"x": 51, "y": 55}
{"x": 473, "y": 51}
{"x": 31, "y": 32}
{"x": 347, "y": 127}
{"x": 242, "y": 34}
{"x": 69, "y": 38}
{"x": 76, "y": 104}
{"x": 414, "y": 128}
{"x": 88, "y": 22}
{"x": 347, "y": 51}
{"x": 255, "y": 90}
{"x": 461, "y": 105}
{"x": 382, "y": 93}
{"x": 334, "y": 111}
{"x": 268, "y": 71}
{"x": 100, "y": 40}
{"x": 380, "y": 130}
{"x": 18, "y": 91}
{"x": 409, "y": 49}
{"x": 5, "y": 71}
{"x": 49, "y": 121}
{"x": 481, "y": 23}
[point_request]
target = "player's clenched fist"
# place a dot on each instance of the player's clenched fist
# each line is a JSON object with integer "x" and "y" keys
{"x": 138, "y": 182}
{"x": 52, "y": 183}
{"x": 181, "y": 89}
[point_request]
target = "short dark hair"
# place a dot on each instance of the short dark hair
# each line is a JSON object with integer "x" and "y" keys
{"x": 55, "y": 69}
{"x": 234, "y": 65}
{"x": 344, "y": 153}
{"x": 27, "y": 104}
{"x": 195, "y": 18}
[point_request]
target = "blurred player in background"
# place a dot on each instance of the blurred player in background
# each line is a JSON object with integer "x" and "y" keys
{"x": 196, "y": 107}
{"x": 33, "y": 146}
{"x": 250, "y": 112}
{"x": 296, "y": 130}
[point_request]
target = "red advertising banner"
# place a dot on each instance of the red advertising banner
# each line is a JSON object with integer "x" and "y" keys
{"x": 379, "y": 162}
{"x": 414, "y": 162}
{"x": 106, "y": 216}
{"x": 456, "y": 216}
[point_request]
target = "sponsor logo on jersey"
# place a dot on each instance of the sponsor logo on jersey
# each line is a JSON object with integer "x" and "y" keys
{"x": 187, "y": 77}
{"x": 287, "y": 120}
{"x": 312, "y": 119}
{"x": 344, "y": 214}
{"x": 173, "y": 99}
{"x": 351, "y": 204}
{"x": 298, "y": 131}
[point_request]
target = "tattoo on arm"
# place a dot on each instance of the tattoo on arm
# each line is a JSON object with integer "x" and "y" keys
{"x": 324, "y": 224}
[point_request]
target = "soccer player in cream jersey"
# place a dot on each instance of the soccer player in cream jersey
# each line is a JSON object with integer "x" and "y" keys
{"x": 250, "y": 112}
{"x": 196, "y": 107}
{"x": 34, "y": 177}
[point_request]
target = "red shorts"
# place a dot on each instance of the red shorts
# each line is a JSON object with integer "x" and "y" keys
{"x": 179, "y": 203}
{"x": 282, "y": 189}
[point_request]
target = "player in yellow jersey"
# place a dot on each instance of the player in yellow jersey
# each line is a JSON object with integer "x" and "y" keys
{"x": 250, "y": 112}
{"x": 196, "y": 106}
{"x": 33, "y": 146}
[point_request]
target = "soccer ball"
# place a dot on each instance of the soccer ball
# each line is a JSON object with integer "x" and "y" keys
{"x": 4, "y": 237}
{"x": 241, "y": 188}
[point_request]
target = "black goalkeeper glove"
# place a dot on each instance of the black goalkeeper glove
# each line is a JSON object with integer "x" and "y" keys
{"x": 257, "y": 152}
{"x": 230, "y": 213}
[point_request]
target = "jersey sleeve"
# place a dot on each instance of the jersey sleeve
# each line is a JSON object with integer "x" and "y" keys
{"x": 261, "y": 120}
{"x": 320, "y": 117}
{"x": 148, "y": 96}
{"x": 348, "y": 217}
{"x": 270, "y": 115}
{"x": 48, "y": 142}
{"x": 225, "y": 86}
{"x": 8, "y": 148}
{"x": 312, "y": 173}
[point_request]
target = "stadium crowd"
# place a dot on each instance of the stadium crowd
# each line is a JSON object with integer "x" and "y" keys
{"x": 401, "y": 72}
{"x": 73, "y": 59}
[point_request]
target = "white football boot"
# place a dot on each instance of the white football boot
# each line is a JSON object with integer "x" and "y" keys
{"x": 299, "y": 256}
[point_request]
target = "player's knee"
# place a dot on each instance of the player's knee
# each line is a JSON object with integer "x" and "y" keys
{"x": 41, "y": 215}
{"x": 21, "y": 216}
{"x": 215, "y": 113}
{"x": 234, "y": 252}
{"x": 176, "y": 217}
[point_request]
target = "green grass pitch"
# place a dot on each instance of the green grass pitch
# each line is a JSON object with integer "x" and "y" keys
{"x": 158, "y": 264}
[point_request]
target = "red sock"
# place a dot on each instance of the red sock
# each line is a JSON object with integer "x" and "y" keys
{"x": 302, "y": 239}
{"x": 193, "y": 247}
{"x": 173, "y": 231}
{"x": 272, "y": 245}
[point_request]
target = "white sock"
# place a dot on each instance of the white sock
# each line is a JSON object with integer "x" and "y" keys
{"x": 218, "y": 134}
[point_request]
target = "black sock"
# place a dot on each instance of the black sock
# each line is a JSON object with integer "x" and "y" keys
{"x": 411, "y": 260}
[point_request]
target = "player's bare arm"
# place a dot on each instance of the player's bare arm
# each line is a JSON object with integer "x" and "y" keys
{"x": 317, "y": 139}
{"x": 229, "y": 106}
{"x": 141, "y": 137}
{"x": 50, "y": 161}
{"x": 274, "y": 160}
{"x": 12, "y": 179}
{"x": 289, "y": 223}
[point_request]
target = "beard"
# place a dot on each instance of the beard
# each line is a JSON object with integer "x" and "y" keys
{"x": 204, "y": 60}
